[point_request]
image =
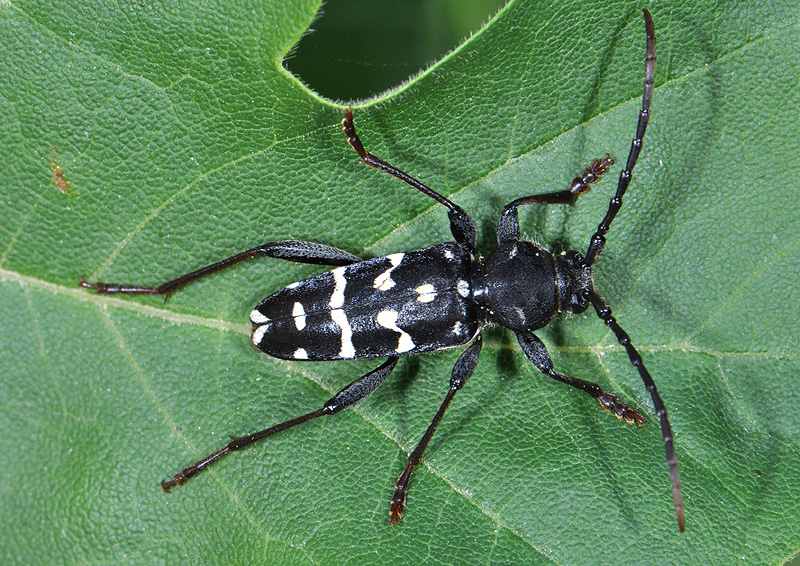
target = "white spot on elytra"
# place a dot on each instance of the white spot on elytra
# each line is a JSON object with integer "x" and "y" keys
{"x": 384, "y": 281}
{"x": 448, "y": 255}
{"x": 258, "y": 333}
{"x": 462, "y": 288}
{"x": 457, "y": 327}
{"x": 299, "y": 315}
{"x": 293, "y": 285}
{"x": 257, "y": 317}
{"x": 513, "y": 251}
{"x": 347, "y": 351}
{"x": 339, "y": 282}
{"x": 300, "y": 354}
{"x": 426, "y": 293}
{"x": 388, "y": 319}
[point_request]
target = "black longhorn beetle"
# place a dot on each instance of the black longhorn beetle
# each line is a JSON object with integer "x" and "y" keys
{"x": 438, "y": 297}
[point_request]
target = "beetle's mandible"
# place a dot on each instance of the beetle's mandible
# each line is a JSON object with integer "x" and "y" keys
{"x": 438, "y": 297}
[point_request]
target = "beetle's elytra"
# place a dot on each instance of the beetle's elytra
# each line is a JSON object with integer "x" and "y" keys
{"x": 438, "y": 297}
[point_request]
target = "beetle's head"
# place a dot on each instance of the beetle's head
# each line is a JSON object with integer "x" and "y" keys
{"x": 574, "y": 281}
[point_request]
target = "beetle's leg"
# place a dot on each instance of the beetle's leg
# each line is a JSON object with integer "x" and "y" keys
{"x": 537, "y": 354}
{"x": 461, "y": 225}
{"x": 604, "y": 312}
{"x": 508, "y": 225}
{"x": 290, "y": 250}
{"x": 462, "y": 371}
{"x": 598, "y": 239}
{"x": 347, "y": 397}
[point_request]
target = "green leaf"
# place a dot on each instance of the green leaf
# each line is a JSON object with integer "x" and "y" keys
{"x": 181, "y": 141}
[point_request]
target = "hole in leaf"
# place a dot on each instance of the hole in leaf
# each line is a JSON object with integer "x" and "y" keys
{"x": 356, "y": 49}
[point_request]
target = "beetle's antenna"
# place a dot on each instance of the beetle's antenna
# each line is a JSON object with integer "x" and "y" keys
{"x": 604, "y": 312}
{"x": 598, "y": 240}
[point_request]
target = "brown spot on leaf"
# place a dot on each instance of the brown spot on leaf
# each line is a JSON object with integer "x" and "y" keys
{"x": 58, "y": 174}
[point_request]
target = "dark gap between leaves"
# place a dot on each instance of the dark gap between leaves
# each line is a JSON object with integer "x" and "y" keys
{"x": 357, "y": 49}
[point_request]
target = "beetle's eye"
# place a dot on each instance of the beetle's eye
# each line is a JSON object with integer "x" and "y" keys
{"x": 580, "y": 302}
